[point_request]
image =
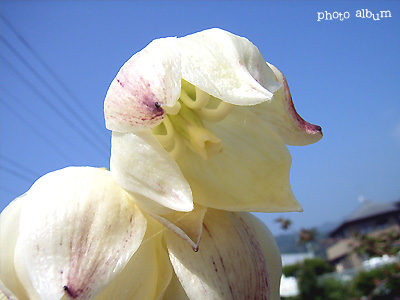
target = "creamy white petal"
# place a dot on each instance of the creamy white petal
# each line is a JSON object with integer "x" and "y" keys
{"x": 78, "y": 229}
{"x": 187, "y": 225}
{"x": 231, "y": 262}
{"x": 271, "y": 251}
{"x": 6, "y": 294}
{"x": 147, "y": 81}
{"x": 250, "y": 174}
{"x": 148, "y": 272}
{"x": 175, "y": 290}
{"x": 281, "y": 115}
{"x": 226, "y": 66}
{"x": 9, "y": 224}
{"x": 142, "y": 167}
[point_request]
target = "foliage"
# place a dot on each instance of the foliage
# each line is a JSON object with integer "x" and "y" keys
{"x": 318, "y": 265}
{"x": 307, "y": 280}
{"x": 307, "y": 235}
{"x": 307, "y": 274}
{"x": 334, "y": 289}
{"x": 285, "y": 223}
{"x": 311, "y": 288}
{"x": 380, "y": 283}
{"x": 377, "y": 245}
{"x": 291, "y": 270}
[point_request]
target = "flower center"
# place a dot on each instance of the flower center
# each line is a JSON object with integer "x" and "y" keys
{"x": 183, "y": 126}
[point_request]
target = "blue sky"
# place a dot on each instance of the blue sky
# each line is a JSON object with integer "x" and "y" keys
{"x": 343, "y": 75}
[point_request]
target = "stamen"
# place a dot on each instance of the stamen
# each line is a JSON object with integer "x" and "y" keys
{"x": 174, "y": 110}
{"x": 179, "y": 148}
{"x": 215, "y": 114}
{"x": 183, "y": 126}
{"x": 165, "y": 133}
{"x": 201, "y": 99}
{"x": 198, "y": 138}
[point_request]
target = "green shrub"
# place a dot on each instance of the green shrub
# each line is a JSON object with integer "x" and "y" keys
{"x": 380, "y": 283}
{"x": 291, "y": 270}
{"x": 308, "y": 282}
{"x": 319, "y": 265}
{"x": 334, "y": 289}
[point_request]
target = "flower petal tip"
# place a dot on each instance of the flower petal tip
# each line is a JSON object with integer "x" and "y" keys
{"x": 307, "y": 133}
{"x": 147, "y": 81}
{"x": 313, "y": 132}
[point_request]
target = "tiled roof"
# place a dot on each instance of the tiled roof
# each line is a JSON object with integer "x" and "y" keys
{"x": 366, "y": 210}
{"x": 369, "y": 209}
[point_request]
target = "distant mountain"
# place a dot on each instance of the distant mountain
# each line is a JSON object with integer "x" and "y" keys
{"x": 288, "y": 242}
{"x": 327, "y": 227}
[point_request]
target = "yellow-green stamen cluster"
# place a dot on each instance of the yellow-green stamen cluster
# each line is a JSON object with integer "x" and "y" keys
{"x": 183, "y": 125}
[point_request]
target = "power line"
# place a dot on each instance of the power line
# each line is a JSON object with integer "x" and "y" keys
{"x": 87, "y": 138}
{"x": 37, "y": 132}
{"x": 62, "y": 101}
{"x": 16, "y": 174}
{"x": 48, "y": 68}
{"x": 8, "y": 190}
{"x": 18, "y": 165}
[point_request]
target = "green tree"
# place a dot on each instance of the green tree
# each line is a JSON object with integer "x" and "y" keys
{"x": 378, "y": 284}
{"x": 334, "y": 289}
{"x": 291, "y": 270}
{"x": 285, "y": 223}
{"x": 307, "y": 274}
{"x": 319, "y": 265}
{"x": 308, "y": 283}
{"x": 387, "y": 242}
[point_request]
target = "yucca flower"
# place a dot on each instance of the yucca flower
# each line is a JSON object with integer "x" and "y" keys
{"x": 200, "y": 127}
{"x": 204, "y": 119}
{"x": 76, "y": 234}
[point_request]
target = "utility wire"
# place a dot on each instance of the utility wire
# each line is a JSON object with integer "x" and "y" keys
{"x": 43, "y": 81}
{"x": 37, "y": 132}
{"x": 18, "y": 166}
{"x": 48, "y": 68}
{"x": 16, "y": 174}
{"x": 87, "y": 138}
{"x": 8, "y": 190}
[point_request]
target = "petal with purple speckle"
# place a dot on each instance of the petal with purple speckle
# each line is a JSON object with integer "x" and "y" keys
{"x": 78, "y": 230}
{"x": 282, "y": 116}
{"x": 148, "y": 81}
{"x": 237, "y": 259}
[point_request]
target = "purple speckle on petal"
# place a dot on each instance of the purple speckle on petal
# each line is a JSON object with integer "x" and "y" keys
{"x": 120, "y": 83}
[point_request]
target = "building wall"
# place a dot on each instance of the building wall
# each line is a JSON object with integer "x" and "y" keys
{"x": 340, "y": 253}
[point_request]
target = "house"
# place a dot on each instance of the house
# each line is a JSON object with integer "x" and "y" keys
{"x": 371, "y": 218}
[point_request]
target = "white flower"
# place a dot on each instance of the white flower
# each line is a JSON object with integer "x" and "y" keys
{"x": 77, "y": 235}
{"x": 200, "y": 126}
{"x": 204, "y": 119}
